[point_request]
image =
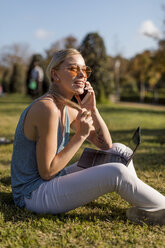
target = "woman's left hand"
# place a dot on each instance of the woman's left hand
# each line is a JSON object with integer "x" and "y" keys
{"x": 89, "y": 101}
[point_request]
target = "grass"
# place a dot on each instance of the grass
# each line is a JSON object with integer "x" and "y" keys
{"x": 101, "y": 223}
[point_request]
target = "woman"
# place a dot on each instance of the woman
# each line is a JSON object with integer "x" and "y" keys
{"x": 41, "y": 182}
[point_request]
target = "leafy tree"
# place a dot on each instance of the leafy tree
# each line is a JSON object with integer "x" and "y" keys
{"x": 17, "y": 79}
{"x": 160, "y": 57}
{"x": 119, "y": 67}
{"x": 15, "y": 53}
{"x": 14, "y": 59}
{"x": 53, "y": 48}
{"x": 5, "y": 80}
{"x": 67, "y": 42}
{"x": 159, "y": 69}
{"x": 139, "y": 66}
{"x": 94, "y": 53}
{"x": 70, "y": 42}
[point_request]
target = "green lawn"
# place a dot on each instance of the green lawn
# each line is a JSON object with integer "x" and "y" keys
{"x": 101, "y": 223}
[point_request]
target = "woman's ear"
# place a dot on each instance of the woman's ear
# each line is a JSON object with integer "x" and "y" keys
{"x": 54, "y": 76}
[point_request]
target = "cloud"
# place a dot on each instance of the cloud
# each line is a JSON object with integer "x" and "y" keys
{"x": 149, "y": 29}
{"x": 42, "y": 34}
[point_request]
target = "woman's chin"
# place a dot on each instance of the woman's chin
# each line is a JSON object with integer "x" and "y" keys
{"x": 79, "y": 91}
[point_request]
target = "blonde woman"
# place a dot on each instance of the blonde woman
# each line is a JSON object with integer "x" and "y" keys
{"x": 41, "y": 180}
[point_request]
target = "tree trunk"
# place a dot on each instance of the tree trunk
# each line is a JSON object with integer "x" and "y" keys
{"x": 142, "y": 91}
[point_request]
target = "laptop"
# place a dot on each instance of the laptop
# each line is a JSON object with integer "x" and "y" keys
{"x": 92, "y": 157}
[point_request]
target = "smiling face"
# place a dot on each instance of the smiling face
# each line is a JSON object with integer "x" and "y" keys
{"x": 68, "y": 80}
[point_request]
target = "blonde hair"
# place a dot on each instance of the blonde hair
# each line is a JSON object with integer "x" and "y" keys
{"x": 57, "y": 59}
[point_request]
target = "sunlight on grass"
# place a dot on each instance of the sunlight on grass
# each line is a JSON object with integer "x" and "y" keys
{"x": 101, "y": 223}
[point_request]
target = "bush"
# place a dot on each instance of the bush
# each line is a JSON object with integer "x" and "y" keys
{"x": 17, "y": 80}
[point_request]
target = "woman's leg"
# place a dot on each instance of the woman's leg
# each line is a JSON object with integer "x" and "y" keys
{"x": 137, "y": 214}
{"x": 121, "y": 149}
{"x": 117, "y": 148}
{"x": 72, "y": 168}
{"x": 76, "y": 189}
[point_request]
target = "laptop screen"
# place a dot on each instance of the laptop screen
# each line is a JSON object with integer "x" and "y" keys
{"x": 134, "y": 143}
{"x": 136, "y": 139}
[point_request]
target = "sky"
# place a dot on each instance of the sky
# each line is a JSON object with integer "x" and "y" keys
{"x": 127, "y": 27}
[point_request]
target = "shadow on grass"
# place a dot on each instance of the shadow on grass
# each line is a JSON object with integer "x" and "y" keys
{"x": 6, "y": 181}
{"x": 5, "y": 162}
{"x": 12, "y": 213}
{"x": 151, "y": 159}
{"x": 12, "y": 111}
{"x": 145, "y": 132}
{"x": 124, "y": 109}
{"x": 116, "y": 212}
{"x": 15, "y": 102}
{"x": 152, "y": 162}
{"x": 150, "y": 154}
{"x": 154, "y": 137}
{"x": 15, "y": 99}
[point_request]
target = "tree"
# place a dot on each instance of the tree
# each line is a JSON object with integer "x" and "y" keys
{"x": 17, "y": 53}
{"x": 53, "y": 48}
{"x": 94, "y": 53}
{"x": 159, "y": 56}
{"x": 139, "y": 66}
{"x": 125, "y": 84}
{"x": 14, "y": 59}
{"x": 17, "y": 79}
{"x": 159, "y": 68}
{"x": 67, "y": 42}
{"x": 5, "y": 80}
{"x": 70, "y": 42}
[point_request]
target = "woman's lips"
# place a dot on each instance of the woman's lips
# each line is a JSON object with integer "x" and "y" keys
{"x": 79, "y": 83}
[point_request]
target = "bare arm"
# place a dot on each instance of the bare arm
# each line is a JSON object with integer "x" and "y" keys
{"x": 100, "y": 135}
{"x": 50, "y": 163}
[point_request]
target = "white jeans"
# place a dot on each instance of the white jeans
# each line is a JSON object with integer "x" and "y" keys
{"x": 81, "y": 186}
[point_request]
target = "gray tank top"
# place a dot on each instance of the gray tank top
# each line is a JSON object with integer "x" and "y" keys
{"x": 25, "y": 177}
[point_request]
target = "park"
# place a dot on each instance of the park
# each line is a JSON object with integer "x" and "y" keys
{"x": 102, "y": 223}
{"x": 118, "y": 50}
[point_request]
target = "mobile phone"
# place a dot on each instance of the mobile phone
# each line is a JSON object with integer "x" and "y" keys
{"x": 83, "y": 94}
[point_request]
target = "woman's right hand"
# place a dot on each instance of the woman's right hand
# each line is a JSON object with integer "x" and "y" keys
{"x": 84, "y": 123}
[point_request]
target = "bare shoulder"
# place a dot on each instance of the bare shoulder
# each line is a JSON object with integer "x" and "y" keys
{"x": 42, "y": 112}
{"x": 44, "y": 108}
{"x": 42, "y": 115}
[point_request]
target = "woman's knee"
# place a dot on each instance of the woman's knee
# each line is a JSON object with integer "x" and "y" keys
{"x": 116, "y": 169}
{"x": 116, "y": 147}
{"x": 120, "y": 149}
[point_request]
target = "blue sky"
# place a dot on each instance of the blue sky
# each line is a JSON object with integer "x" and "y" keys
{"x": 121, "y": 23}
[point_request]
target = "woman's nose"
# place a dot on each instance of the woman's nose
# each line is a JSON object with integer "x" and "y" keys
{"x": 82, "y": 73}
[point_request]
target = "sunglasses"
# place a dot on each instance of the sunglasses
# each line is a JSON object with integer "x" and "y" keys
{"x": 74, "y": 70}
